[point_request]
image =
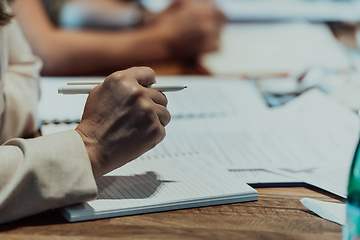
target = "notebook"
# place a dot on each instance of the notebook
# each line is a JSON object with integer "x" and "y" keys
{"x": 162, "y": 183}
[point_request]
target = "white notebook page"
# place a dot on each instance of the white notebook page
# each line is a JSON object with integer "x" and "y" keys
{"x": 166, "y": 183}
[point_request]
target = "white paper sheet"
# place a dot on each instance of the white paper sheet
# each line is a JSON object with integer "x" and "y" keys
{"x": 335, "y": 212}
{"x": 240, "y": 10}
{"x": 208, "y": 97}
{"x": 57, "y": 107}
{"x": 330, "y": 177}
{"x": 54, "y": 128}
{"x": 264, "y": 177}
{"x": 284, "y": 138}
{"x": 275, "y": 49}
{"x": 325, "y": 11}
{"x": 343, "y": 126}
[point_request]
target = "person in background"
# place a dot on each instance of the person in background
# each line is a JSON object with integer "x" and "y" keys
{"x": 122, "y": 119}
{"x": 185, "y": 29}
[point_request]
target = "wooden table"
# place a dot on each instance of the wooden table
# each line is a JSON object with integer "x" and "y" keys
{"x": 278, "y": 214}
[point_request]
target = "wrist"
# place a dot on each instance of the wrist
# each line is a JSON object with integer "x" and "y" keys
{"x": 93, "y": 150}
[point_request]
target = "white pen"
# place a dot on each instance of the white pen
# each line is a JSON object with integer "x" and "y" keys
{"x": 82, "y": 87}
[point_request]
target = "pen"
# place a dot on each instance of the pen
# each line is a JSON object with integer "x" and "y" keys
{"x": 85, "y": 87}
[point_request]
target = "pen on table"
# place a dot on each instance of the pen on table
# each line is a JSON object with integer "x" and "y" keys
{"x": 82, "y": 87}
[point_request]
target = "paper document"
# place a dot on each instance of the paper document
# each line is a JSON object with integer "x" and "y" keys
{"x": 160, "y": 184}
{"x": 262, "y": 177}
{"x": 318, "y": 10}
{"x": 51, "y": 128}
{"x": 208, "y": 97}
{"x": 277, "y": 139}
{"x": 335, "y": 212}
{"x": 333, "y": 178}
{"x": 54, "y": 107}
{"x": 263, "y": 10}
{"x": 275, "y": 49}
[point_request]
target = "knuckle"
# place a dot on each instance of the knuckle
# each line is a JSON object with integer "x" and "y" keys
{"x": 144, "y": 110}
{"x": 147, "y": 71}
{"x": 146, "y": 107}
{"x": 114, "y": 79}
{"x": 157, "y": 133}
{"x": 133, "y": 97}
{"x": 136, "y": 92}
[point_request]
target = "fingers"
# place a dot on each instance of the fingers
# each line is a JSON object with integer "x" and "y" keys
{"x": 159, "y": 103}
{"x": 163, "y": 115}
{"x": 144, "y": 75}
{"x": 157, "y": 97}
{"x": 154, "y": 107}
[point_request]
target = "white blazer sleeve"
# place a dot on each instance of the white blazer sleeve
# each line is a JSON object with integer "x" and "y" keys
{"x": 41, "y": 173}
{"x": 19, "y": 85}
{"x": 44, "y": 173}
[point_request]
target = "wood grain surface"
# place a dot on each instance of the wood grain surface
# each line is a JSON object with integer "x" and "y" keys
{"x": 278, "y": 214}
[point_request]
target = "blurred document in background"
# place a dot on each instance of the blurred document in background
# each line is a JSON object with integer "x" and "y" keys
{"x": 313, "y": 10}
{"x": 275, "y": 49}
{"x": 263, "y": 10}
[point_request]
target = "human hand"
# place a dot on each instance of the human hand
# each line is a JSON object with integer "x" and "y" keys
{"x": 123, "y": 119}
{"x": 190, "y": 27}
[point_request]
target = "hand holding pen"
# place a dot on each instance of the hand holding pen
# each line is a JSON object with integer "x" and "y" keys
{"x": 123, "y": 118}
